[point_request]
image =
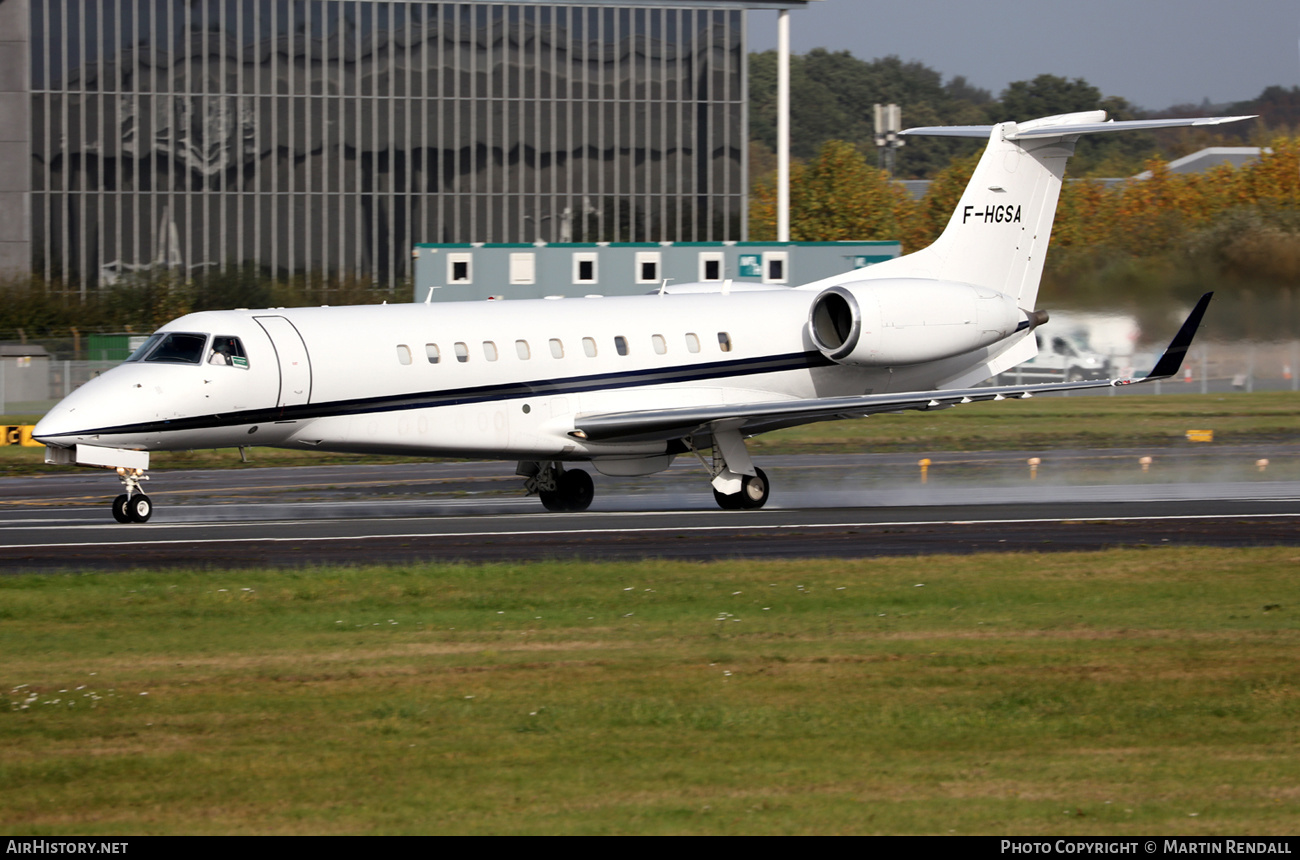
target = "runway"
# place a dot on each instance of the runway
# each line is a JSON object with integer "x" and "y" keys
{"x": 841, "y": 506}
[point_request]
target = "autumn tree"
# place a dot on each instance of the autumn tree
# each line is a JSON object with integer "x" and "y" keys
{"x": 836, "y": 196}
{"x": 1180, "y": 233}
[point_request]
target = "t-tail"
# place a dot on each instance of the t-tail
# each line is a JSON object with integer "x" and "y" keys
{"x": 997, "y": 236}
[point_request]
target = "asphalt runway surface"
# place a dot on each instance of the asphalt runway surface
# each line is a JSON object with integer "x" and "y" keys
{"x": 821, "y": 506}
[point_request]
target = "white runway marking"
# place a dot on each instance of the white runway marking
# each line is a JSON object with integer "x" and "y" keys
{"x": 650, "y": 530}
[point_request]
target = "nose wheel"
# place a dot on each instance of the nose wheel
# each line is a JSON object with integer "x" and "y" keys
{"x": 133, "y": 506}
{"x": 132, "y": 509}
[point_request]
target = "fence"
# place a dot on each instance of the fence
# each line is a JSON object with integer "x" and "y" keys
{"x": 1210, "y": 368}
{"x": 30, "y": 388}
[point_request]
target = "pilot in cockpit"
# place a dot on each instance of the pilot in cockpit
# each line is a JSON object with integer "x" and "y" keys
{"x": 220, "y": 353}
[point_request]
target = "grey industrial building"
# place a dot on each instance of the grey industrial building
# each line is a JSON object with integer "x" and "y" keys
{"x": 331, "y": 136}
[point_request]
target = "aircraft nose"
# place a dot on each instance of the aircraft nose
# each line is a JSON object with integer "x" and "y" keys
{"x": 70, "y": 417}
{"x": 56, "y": 423}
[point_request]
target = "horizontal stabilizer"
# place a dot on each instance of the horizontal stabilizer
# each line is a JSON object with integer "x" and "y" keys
{"x": 1040, "y": 128}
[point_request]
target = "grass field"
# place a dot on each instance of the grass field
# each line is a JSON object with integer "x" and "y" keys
{"x": 1124, "y": 692}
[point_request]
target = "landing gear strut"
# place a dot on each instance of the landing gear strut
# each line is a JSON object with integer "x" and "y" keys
{"x": 133, "y": 506}
{"x": 559, "y": 490}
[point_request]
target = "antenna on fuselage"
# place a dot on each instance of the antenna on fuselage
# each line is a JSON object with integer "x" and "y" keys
{"x": 664, "y": 286}
{"x": 428, "y": 300}
{"x": 726, "y": 287}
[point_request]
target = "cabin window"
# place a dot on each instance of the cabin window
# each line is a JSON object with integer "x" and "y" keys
{"x": 724, "y": 341}
{"x": 172, "y": 348}
{"x": 692, "y": 342}
{"x": 620, "y": 344}
{"x": 522, "y": 350}
{"x": 557, "y": 348}
{"x": 462, "y": 352}
{"x": 489, "y": 350}
{"x": 227, "y": 351}
{"x": 589, "y": 346}
{"x": 660, "y": 345}
{"x": 403, "y": 353}
{"x": 432, "y": 352}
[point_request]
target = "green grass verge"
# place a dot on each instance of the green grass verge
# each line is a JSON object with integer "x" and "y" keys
{"x": 1125, "y": 692}
{"x": 1121, "y": 421}
{"x": 1041, "y": 423}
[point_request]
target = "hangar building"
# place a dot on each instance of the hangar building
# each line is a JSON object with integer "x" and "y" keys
{"x": 331, "y": 136}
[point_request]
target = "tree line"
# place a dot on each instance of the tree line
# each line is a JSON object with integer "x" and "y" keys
{"x": 143, "y": 300}
{"x": 833, "y": 92}
{"x": 1167, "y": 237}
{"x": 1162, "y": 239}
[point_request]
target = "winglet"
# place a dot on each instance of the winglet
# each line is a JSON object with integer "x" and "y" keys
{"x": 1173, "y": 358}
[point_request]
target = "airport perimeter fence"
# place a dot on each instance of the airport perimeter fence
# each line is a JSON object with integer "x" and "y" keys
{"x": 30, "y": 385}
{"x": 1209, "y": 368}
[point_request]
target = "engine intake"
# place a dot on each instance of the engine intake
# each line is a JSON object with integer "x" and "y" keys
{"x": 894, "y": 323}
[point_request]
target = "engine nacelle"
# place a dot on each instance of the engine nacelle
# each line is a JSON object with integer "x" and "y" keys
{"x": 897, "y": 322}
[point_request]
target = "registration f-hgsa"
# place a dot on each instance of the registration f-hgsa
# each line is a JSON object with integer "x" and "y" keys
{"x": 625, "y": 384}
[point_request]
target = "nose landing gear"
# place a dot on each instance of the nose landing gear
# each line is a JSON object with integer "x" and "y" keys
{"x": 133, "y": 506}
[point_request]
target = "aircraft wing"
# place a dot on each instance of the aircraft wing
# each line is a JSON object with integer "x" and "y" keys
{"x": 753, "y": 418}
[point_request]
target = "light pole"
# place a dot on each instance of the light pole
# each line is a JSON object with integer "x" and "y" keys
{"x": 889, "y": 122}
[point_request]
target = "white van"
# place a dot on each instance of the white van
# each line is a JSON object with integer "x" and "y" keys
{"x": 1060, "y": 358}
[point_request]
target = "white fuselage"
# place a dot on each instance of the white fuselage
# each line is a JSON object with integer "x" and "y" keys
{"x": 508, "y": 379}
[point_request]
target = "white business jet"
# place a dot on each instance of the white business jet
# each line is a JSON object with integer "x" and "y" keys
{"x": 623, "y": 383}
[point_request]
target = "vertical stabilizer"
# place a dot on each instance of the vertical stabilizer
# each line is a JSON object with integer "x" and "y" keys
{"x": 997, "y": 236}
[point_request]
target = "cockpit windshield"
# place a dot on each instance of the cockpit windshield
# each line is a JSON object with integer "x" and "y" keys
{"x": 173, "y": 347}
{"x": 145, "y": 348}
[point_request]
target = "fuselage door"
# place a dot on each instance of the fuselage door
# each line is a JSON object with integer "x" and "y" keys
{"x": 295, "y": 365}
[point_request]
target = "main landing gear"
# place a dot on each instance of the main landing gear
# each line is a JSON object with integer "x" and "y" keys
{"x": 752, "y": 495}
{"x": 133, "y": 506}
{"x": 738, "y": 485}
{"x": 559, "y": 490}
